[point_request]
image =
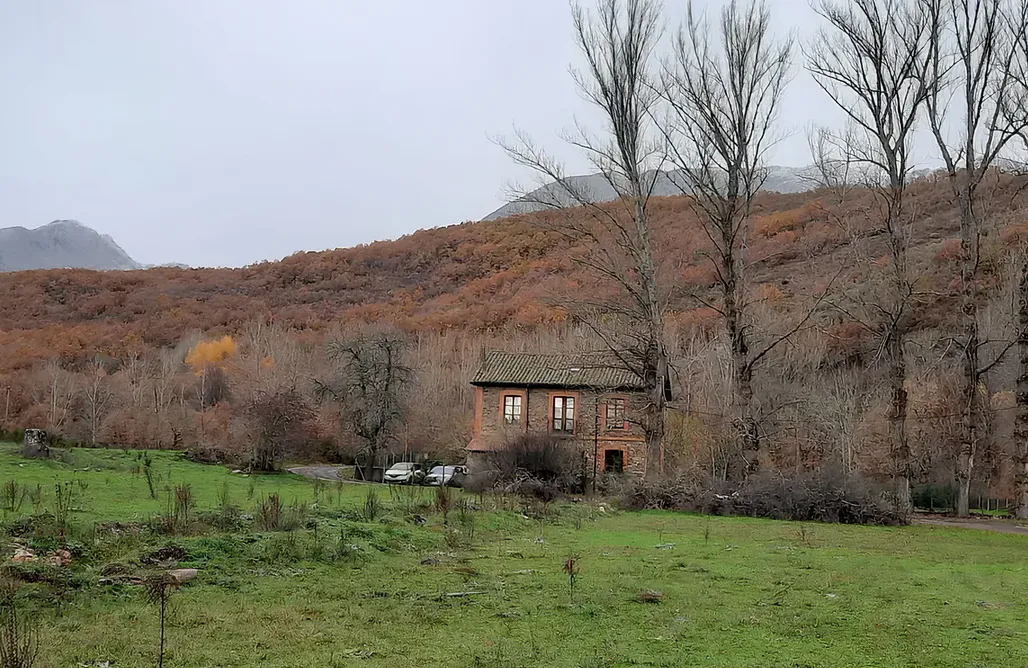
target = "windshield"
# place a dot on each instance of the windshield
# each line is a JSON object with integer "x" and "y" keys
{"x": 405, "y": 466}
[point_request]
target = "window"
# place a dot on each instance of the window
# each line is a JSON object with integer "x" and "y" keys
{"x": 614, "y": 461}
{"x": 564, "y": 414}
{"x": 615, "y": 414}
{"x": 512, "y": 409}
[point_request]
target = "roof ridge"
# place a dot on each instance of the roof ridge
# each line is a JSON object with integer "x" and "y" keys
{"x": 572, "y": 354}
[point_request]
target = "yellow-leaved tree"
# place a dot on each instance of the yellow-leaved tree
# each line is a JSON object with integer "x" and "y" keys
{"x": 205, "y": 359}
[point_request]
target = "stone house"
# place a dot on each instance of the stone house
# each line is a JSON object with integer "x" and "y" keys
{"x": 586, "y": 398}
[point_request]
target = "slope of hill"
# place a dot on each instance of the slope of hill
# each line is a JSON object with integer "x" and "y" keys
{"x": 60, "y": 244}
{"x": 498, "y": 276}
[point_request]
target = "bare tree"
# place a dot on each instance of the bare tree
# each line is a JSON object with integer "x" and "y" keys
{"x": 1021, "y": 405}
{"x": 60, "y": 394}
{"x": 976, "y": 72}
{"x": 617, "y": 41}
{"x": 137, "y": 371}
{"x": 370, "y": 387}
{"x": 98, "y": 396}
{"x": 871, "y": 62}
{"x": 283, "y": 422}
{"x": 723, "y": 87}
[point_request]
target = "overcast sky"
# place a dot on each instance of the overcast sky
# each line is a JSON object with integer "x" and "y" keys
{"x": 225, "y": 132}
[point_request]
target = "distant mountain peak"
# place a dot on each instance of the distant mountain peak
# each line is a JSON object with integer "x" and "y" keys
{"x": 666, "y": 183}
{"x": 61, "y": 244}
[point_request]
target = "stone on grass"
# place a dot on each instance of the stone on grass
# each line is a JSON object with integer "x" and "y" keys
{"x": 35, "y": 444}
{"x": 24, "y": 555}
{"x": 182, "y": 575}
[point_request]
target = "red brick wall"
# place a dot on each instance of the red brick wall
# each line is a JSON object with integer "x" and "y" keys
{"x": 536, "y": 409}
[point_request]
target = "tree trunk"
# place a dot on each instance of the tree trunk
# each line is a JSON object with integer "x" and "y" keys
{"x": 656, "y": 353}
{"x": 898, "y": 420}
{"x": 1021, "y": 417}
{"x": 969, "y": 314}
{"x": 742, "y": 374}
{"x": 369, "y": 464}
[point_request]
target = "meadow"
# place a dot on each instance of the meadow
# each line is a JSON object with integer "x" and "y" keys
{"x": 296, "y": 573}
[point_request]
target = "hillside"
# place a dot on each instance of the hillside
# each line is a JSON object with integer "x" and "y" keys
{"x": 492, "y": 275}
{"x": 60, "y": 244}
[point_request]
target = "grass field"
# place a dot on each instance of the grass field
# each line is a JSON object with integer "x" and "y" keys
{"x": 340, "y": 590}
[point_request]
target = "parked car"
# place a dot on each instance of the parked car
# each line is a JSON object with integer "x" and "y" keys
{"x": 404, "y": 473}
{"x": 446, "y": 475}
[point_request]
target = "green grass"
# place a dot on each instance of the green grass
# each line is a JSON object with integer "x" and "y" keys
{"x": 739, "y": 592}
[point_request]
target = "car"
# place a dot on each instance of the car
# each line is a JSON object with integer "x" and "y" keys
{"x": 403, "y": 473}
{"x": 446, "y": 475}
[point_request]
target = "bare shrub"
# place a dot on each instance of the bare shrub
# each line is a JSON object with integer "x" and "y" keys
{"x": 19, "y": 638}
{"x": 283, "y": 422}
{"x": 540, "y": 465}
{"x": 650, "y": 596}
{"x": 826, "y": 495}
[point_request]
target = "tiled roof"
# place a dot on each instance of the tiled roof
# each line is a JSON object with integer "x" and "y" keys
{"x": 581, "y": 370}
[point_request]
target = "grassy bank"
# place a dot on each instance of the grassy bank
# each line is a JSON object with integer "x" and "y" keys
{"x": 353, "y": 587}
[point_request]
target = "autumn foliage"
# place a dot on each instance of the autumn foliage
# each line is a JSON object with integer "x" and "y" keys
{"x": 213, "y": 353}
{"x": 180, "y": 343}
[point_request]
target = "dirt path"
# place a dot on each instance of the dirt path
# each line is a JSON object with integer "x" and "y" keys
{"x": 997, "y": 526}
{"x": 319, "y": 472}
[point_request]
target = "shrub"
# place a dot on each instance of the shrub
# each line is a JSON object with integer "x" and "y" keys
{"x": 821, "y": 496}
{"x": 372, "y": 508}
{"x": 270, "y": 514}
{"x": 540, "y": 465}
{"x": 282, "y": 421}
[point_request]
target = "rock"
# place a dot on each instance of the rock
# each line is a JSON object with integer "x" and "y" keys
{"x": 24, "y": 555}
{"x": 182, "y": 575}
{"x": 35, "y": 444}
{"x": 60, "y": 558}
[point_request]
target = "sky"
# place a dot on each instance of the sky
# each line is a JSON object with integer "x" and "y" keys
{"x": 227, "y": 132}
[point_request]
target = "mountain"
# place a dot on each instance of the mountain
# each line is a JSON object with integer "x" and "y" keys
{"x": 596, "y": 188}
{"x": 62, "y": 244}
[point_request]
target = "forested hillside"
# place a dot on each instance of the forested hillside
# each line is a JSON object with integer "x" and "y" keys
{"x": 503, "y": 275}
{"x": 107, "y": 356}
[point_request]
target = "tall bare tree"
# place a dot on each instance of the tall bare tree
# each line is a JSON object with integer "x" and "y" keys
{"x": 1021, "y": 405}
{"x": 871, "y": 61}
{"x": 370, "y": 386}
{"x": 723, "y": 87}
{"x": 617, "y": 41}
{"x": 975, "y": 80}
{"x": 60, "y": 394}
{"x": 98, "y": 396}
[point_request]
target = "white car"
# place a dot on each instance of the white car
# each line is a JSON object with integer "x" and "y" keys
{"x": 404, "y": 473}
{"x": 446, "y": 475}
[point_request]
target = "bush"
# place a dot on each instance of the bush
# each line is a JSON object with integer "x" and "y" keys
{"x": 539, "y": 465}
{"x": 819, "y": 496}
